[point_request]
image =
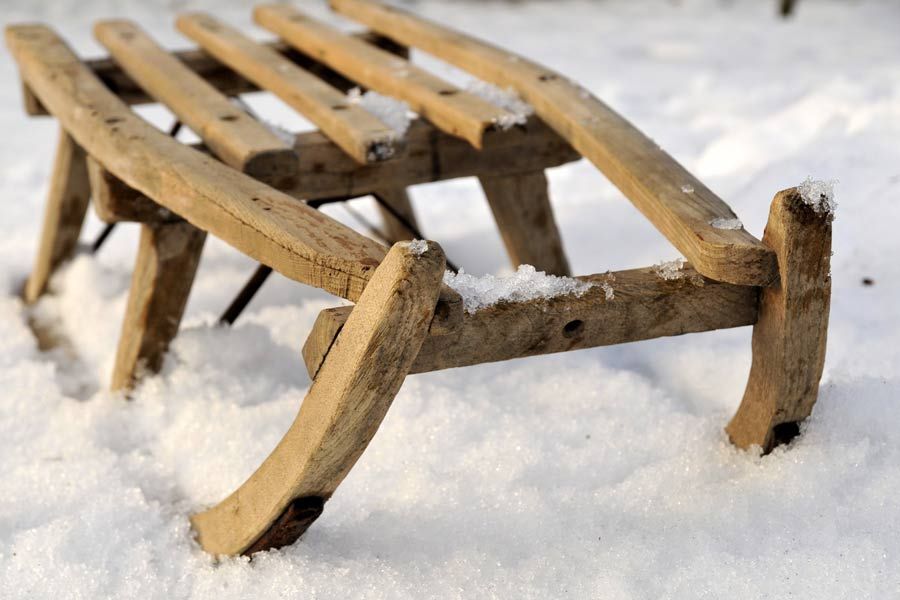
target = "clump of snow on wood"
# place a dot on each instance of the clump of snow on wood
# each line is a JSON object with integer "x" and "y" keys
{"x": 819, "y": 195}
{"x": 687, "y": 188}
{"x": 670, "y": 270}
{"x": 517, "y": 109}
{"x": 527, "y": 283}
{"x": 417, "y": 247}
{"x": 608, "y": 290}
{"x": 394, "y": 113}
{"x": 726, "y": 223}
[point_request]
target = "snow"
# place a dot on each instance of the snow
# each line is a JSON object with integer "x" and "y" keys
{"x": 518, "y": 109}
{"x": 819, "y": 195}
{"x": 670, "y": 270}
{"x": 598, "y": 473}
{"x": 726, "y": 223}
{"x": 392, "y": 112}
{"x": 526, "y": 283}
{"x": 687, "y": 188}
{"x": 417, "y": 247}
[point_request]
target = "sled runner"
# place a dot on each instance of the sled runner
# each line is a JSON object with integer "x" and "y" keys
{"x": 249, "y": 187}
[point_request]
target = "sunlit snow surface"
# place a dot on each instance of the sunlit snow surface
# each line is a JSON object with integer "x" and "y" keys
{"x": 595, "y": 474}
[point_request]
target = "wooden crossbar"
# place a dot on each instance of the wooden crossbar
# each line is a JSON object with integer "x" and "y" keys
{"x": 644, "y": 306}
{"x": 355, "y": 130}
{"x": 450, "y": 109}
{"x": 275, "y": 229}
{"x": 232, "y": 135}
{"x": 676, "y": 202}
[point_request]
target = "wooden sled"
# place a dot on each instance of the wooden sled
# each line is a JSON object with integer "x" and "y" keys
{"x": 257, "y": 193}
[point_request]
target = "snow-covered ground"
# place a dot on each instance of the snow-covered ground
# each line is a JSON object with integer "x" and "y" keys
{"x": 598, "y": 474}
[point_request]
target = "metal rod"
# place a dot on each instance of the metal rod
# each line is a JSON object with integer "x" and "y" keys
{"x": 246, "y": 294}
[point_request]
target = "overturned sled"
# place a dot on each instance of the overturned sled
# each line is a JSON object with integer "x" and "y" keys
{"x": 258, "y": 193}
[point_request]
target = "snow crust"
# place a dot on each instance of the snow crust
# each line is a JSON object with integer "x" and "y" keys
{"x": 819, "y": 195}
{"x": 508, "y": 99}
{"x": 417, "y": 247}
{"x": 527, "y": 283}
{"x": 670, "y": 270}
{"x": 598, "y": 473}
{"x": 727, "y": 223}
{"x": 394, "y": 113}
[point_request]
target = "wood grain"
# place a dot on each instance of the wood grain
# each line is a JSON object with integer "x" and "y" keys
{"x": 524, "y": 216}
{"x": 64, "y": 213}
{"x": 644, "y": 307}
{"x": 115, "y": 202}
{"x": 789, "y": 338}
{"x": 449, "y": 108}
{"x": 342, "y": 410}
{"x": 359, "y": 133}
{"x": 232, "y": 135}
{"x": 167, "y": 259}
{"x": 653, "y": 181}
{"x": 301, "y": 243}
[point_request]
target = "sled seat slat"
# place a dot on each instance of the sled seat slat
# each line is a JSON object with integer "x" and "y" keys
{"x": 644, "y": 306}
{"x": 273, "y": 228}
{"x": 355, "y": 130}
{"x": 235, "y": 137}
{"x": 672, "y": 199}
{"x": 449, "y": 108}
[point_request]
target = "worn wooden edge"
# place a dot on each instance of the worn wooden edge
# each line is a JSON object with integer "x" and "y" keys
{"x": 672, "y": 199}
{"x": 790, "y": 336}
{"x": 114, "y": 201}
{"x": 340, "y": 414}
{"x": 235, "y": 137}
{"x": 450, "y": 108}
{"x": 215, "y": 73}
{"x": 642, "y": 306}
{"x": 267, "y": 225}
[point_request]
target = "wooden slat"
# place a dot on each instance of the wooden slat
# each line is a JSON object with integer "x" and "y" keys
{"x": 213, "y": 72}
{"x": 67, "y": 204}
{"x": 676, "y": 202}
{"x": 340, "y": 414}
{"x": 450, "y": 109}
{"x": 167, "y": 259}
{"x": 431, "y": 155}
{"x": 789, "y": 339}
{"x": 271, "y": 227}
{"x": 354, "y": 129}
{"x": 524, "y": 216}
{"x": 644, "y": 307}
{"x": 232, "y": 135}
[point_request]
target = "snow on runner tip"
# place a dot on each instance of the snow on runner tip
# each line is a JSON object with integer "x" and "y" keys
{"x": 417, "y": 247}
{"x": 819, "y": 195}
{"x": 526, "y": 283}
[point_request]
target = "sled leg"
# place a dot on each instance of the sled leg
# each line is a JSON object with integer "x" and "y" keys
{"x": 64, "y": 215}
{"x": 341, "y": 413}
{"x": 166, "y": 263}
{"x": 521, "y": 207}
{"x": 789, "y": 336}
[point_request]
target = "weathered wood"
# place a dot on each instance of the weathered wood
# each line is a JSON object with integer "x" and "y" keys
{"x": 341, "y": 412}
{"x": 676, "y": 202}
{"x": 398, "y": 199}
{"x": 644, "y": 306}
{"x": 450, "y": 109}
{"x": 524, "y": 216}
{"x": 789, "y": 338}
{"x": 115, "y": 202}
{"x": 215, "y": 73}
{"x": 269, "y": 226}
{"x": 355, "y": 130}
{"x": 167, "y": 259}
{"x": 64, "y": 213}
{"x": 430, "y": 155}
{"x": 232, "y": 135}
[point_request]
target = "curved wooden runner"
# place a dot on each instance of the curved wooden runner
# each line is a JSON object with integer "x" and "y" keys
{"x": 676, "y": 202}
{"x": 273, "y": 228}
{"x": 341, "y": 412}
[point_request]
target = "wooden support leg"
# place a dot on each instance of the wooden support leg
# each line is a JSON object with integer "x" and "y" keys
{"x": 521, "y": 207}
{"x": 393, "y": 228}
{"x": 341, "y": 413}
{"x": 789, "y": 336}
{"x": 167, "y": 260}
{"x": 63, "y": 216}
